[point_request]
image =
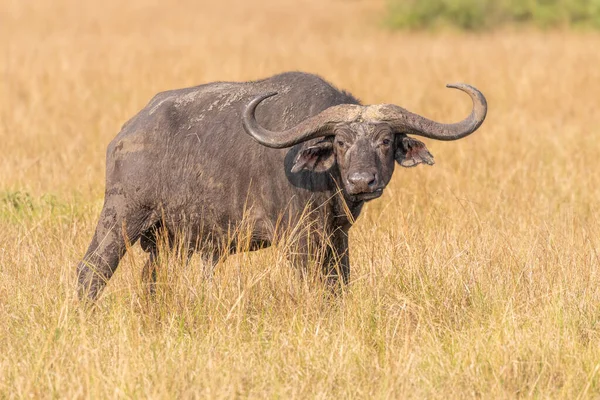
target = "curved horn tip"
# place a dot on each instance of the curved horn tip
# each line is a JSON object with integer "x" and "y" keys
{"x": 459, "y": 85}
{"x": 259, "y": 98}
{"x": 471, "y": 91}
{"x": 264, "y": 96}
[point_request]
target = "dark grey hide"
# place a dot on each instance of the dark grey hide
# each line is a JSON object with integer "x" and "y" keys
{"x": 196, "y": 162}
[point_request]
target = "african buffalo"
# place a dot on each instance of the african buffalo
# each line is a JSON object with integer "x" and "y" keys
{"x": 272, "y": 152}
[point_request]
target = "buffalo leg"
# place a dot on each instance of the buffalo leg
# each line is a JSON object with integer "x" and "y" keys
{"x": 209, "y": 263}
{"x": 330, "y": 256}
{"x": 150, "y": 243}
{"x": 305, "y": 253}
{"x": 149, "y": 272}
{"x": 337, "y": 261}
{"x": 113, "y": 232}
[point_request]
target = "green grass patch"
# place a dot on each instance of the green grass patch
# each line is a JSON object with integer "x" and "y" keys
{"x": 17, "y": 205}
{"x": 489, "y": 14}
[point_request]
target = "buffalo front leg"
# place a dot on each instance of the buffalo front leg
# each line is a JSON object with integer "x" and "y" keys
{"x": 113, "y": 232}
{"x": 331, "y": 257}
{"x": 337, "y": 261}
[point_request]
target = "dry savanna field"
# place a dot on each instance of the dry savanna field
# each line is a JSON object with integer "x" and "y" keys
{"x": 477, "y": 277}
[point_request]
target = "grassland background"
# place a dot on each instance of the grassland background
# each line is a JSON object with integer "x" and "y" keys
{"x": 477, "y": 277}
{"x": 491, "y": 14}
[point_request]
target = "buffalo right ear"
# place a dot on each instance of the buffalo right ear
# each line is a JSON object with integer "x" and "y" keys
{"x": 318, "y": 157}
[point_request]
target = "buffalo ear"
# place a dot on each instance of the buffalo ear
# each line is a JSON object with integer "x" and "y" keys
{"x": 410, "y": 152}
{"x": 318, "y": 157}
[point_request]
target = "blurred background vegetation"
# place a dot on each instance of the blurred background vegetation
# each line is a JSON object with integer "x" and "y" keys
{"x": 490, "y": 14}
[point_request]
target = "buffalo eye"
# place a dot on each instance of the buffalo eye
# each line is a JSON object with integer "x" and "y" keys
{"x": 386, "y": 142}
{"x": 340, "y": 143}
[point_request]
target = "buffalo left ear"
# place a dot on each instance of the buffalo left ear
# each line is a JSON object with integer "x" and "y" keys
{"x": 410, "y": 152}
{"x": 318, "y": 157}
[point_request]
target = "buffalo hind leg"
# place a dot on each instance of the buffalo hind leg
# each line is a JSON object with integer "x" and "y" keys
{"x": 149, "y": 273}
{"x": 113, "y": 233}
{"x": 148, "y": 242}
{"x": 209, "y": 263}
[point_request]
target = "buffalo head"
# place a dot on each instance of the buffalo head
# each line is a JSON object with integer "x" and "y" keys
{"x": 364, "y": 141}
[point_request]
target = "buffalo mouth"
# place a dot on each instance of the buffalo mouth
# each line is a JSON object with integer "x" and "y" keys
{"x": 366, "y": 196}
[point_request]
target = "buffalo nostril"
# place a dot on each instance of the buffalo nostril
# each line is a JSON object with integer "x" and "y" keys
{"x": 363, "y": 181}
{"x": 373, "y": 181}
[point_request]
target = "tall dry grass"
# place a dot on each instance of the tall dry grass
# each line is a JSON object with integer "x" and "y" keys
{"x": 477, "y": 277}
